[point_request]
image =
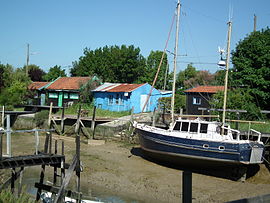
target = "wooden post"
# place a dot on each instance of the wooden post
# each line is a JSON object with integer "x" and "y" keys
{"x": 238, "y": 118}
{"x": 93, "y": 122}
{"x": 55, "y": 168}
{"x": 3, "y": 116}
{"x": 78, "y": 167}
{"x": 20, "y": 181}
{"x": 13, "y": 178}
{"x": 1, "y": 144}
{"x": 63, "y": 163}
{"x": 8, "y": 136}
{"x": 77, "y": 126}
{"x": 41, "y": 178}
{"x": 187, "y": 187}
{"x": 50, "y": 115}
{"x": 37, "y": 140}
{"x": 154, "y": 117}
{"x": 63, "y": 121}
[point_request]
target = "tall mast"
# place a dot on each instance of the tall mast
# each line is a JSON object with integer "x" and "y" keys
{"x": 226, "y": 75}
{"x": 175, "y": 59}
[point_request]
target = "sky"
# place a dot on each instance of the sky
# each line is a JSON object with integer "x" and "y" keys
{"x": 59, "y": 30}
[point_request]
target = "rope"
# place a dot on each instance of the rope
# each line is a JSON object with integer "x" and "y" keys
{"x": 160, "y": 63}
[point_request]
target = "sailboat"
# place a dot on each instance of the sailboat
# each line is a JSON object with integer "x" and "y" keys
{"x": 197, "y": 141}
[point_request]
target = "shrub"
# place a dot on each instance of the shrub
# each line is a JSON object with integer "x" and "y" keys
{"x": 40, "y": 118}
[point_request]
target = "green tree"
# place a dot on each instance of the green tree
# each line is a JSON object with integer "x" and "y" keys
{"x": 185, "y": 75}
{"x": 152, "y": 64}
{"x": 14, "y": 86}
{"x": 54, "y": 73}
{"x": 251, "y": 60}
{"x": 111, "y": 64}
{"x": 237, "y": 99}
{"x": 34, "y": 72}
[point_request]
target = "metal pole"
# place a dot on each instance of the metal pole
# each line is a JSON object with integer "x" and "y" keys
{"x": 187, "y": 187}
{"x": 255, "y": 23}
{"x": 226, "y": 75}
{"x": 175, "y": 59}
{"x": 27, "y": 60}
{"x": 8, "y": 136}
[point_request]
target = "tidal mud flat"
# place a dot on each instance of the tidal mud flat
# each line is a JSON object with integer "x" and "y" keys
{"x": 119, "y": 169}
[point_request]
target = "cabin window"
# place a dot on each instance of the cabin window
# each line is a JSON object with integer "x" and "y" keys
{"x": 65, "y": 95}
{"x": 53, "y": 95}
{"x": 177, "y": 126}
{"x": 74, "y": 96}
{"x": 203, "y": 128}
{"x": 193, "y": 127}
{"x": 184, "y": 126}
{"x": 197, "y": 100}
{"x": 110, "y": 99}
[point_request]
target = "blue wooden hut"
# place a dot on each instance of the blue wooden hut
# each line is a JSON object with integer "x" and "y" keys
{"x": 122, "y": 97}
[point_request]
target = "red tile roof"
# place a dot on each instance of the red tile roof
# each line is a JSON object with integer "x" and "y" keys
{"x": 125, "y": 88}
{"x": 118, "y": 87}
{"x": 36, "y": 85}
{"x": 206, "y": 89}
{"x": 68, "y": 83}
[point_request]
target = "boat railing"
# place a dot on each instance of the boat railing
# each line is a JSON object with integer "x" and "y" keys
{"x": 257, "y": 133}
{"x": 237, "y": 132}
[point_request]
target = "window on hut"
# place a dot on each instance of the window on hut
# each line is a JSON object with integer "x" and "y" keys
{"x": 197, "y": 100}
{"x": 110, "y": 99}
{"x": 53, "y": 95}
{"x": 117, "y": 99}
{"x": 74, "y": 96}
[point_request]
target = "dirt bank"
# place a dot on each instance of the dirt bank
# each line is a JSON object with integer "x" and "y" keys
{"x": 119, "y": 169}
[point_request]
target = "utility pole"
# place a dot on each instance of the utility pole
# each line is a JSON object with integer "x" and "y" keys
{"x": 255, "y": 23}
{"x": 27, "y": 60}
{"x": 175, "y": 59}
{"x": 226, "y": 75}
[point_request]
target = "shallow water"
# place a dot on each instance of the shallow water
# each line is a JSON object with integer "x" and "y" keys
{"x": 31, "y": 176}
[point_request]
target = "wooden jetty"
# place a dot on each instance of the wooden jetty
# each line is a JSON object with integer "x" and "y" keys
{"x": 46, "y": 157}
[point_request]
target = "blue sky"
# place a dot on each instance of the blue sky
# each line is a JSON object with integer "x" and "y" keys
{"x": 59, "y": 30}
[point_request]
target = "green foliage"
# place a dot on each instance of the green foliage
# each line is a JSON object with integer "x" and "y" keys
{"x": 34, "y": 72}
{"x": 237, "y": 99}
{"x": 152, "y": 64}
{"x": 251, "y": 61}
{"x": 13, "y": 85}
{"x": 40, "y": 118}
{"x": 180, "y": 102}
{"x": 86, "y": 95}
{"x": 190, "y": 77}
{"x": 54, "y": 73}
{"x": 6, "y": 196}
{"x": 111, "y": 64}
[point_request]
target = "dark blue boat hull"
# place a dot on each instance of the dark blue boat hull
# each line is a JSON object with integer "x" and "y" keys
{"x": 193, "y": 152}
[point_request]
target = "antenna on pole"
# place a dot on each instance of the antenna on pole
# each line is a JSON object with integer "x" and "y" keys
{"x": 255, "y": 23}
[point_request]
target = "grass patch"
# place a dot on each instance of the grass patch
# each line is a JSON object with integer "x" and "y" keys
{"x": 99, "y": 112}
{"x": 7, "y": 197}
